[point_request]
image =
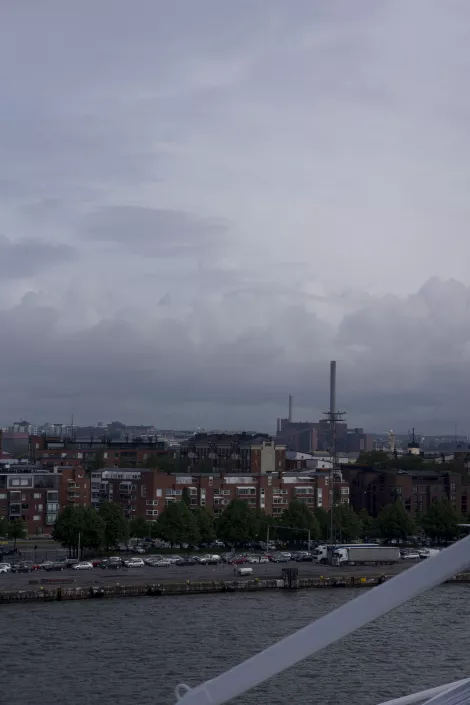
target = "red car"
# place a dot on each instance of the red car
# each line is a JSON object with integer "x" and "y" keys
{"x": 237, "y": 560}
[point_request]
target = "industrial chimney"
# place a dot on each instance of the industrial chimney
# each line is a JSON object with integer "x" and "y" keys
{"x": 290, "y": 408}
{"x": 332, "y": 388}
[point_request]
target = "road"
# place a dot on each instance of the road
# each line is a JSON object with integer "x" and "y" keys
{"x": 98, "y": 576}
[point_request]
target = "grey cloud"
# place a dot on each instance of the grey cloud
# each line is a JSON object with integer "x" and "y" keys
{"x": 155, "y": 232}
{"x": 399, "y": 364}
{"x": 27, "y": 257}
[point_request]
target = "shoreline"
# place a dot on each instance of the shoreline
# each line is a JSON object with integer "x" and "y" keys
{"x": 60, "y": 590}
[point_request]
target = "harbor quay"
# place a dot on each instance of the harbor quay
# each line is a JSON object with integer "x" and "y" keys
{"x": 38, "y": 589}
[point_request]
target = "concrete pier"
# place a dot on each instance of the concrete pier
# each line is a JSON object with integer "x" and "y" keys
{"x": 47, "y": 592}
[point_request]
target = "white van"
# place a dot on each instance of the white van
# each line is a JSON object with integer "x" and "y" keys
{"x": 244, "y": 570}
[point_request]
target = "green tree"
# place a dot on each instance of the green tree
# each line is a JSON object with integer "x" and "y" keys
{"x": 237, "y": 523}
{"x": 323, "y": 519}
{"x": 116, "y": 526}
{"x": 186, "y": 497}
{"x": 79, "y": 526}
{"x": 16, "y": 529}
{"x": 368, "y": 523}
{"x": 298, "y": 516}
{"x": 205, "y": 524}
{"x": 3, "y": 526}
{"x": 394, "y": 522}
{"x": 178, "y": 524}
{"x": 374, "y": 458}
{"x": 346, "y": 523}
{"x": 441, "y": 521}
{"x": 261, "y": 521}
{"x": 139, "y": 528}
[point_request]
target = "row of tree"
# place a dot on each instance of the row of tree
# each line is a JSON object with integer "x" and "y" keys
{"x": 13, "y": 530}
{"x": 380, "y": 460}
{"x": 239, "y": 523}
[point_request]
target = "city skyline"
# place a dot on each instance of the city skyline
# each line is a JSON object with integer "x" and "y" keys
{"x": 200, "y": 209}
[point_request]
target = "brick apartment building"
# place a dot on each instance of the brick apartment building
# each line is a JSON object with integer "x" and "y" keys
{"x": 373, "y": 489}
{"x": 146, "y": 493}
{"x": 51, "y": 451}
{"x": 237, "y": 452}
{"x": 36, "y": 495}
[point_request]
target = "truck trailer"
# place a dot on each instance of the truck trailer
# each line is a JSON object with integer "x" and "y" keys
{"x": 365, "y": 555}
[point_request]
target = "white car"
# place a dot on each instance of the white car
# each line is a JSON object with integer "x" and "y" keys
{"x": 3, "y": 569}
{"x": 411, "y": 555}
{"x": 7, "y": 566}
{"x": 134, "y": 563}
{"x": 83, "y": 565}
{"x": 164, "y": 563}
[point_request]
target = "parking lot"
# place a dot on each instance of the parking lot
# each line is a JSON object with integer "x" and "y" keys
{"x": 147, "y": 574}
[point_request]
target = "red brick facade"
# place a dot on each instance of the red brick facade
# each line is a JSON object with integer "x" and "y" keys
{"x": 146, "y": 493}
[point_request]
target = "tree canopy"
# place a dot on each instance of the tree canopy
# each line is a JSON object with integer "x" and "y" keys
{"x": 394, "y": 522}
{"x": 237, "y": 524}
{"x": 441, "y": 521}
{"x": 83, "y": 521}
{"x": 139, "y": 528}
{"x": 116, "y": 525}
{"x": 178, "y": 524}
{"x": 347, "y": 523}
{"x": 16, "y": 529}
{"x": 205, "y": 524}
{"x": 298, "y": 516}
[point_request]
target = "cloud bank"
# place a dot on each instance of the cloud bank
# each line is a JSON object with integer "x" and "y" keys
{"x": 201, "y": 205}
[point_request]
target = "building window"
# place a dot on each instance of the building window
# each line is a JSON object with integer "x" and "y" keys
{"x": 36, "y": 517}
{"x": 143, "y": 491}
{"x": 39, "y": 507}
{"x": 52, "y": 506}
{"x": 3, "y": 495}
{"x": 37, "y": 495}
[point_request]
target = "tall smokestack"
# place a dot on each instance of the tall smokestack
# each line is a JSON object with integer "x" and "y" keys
{"x": 290, "y": 408}
{"x": 333, "y": 387}
{"x": 279, "y": 425}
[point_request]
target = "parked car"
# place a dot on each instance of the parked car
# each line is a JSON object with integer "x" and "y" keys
{"x": 55, "y": 566}
{"x": 7, "y": 566}
{"x": 186, "y": 561}
{"x": 280, "y": 558}
{"x": 138, "y": 549}
{"x": 304, "y": 558}
{"x": 70, "y": 562}
{"x": 244, "y": 570}
{"x": 163, "y": 563}
{"x": 3, "y": 568}
{"x": 83, "y": 565}
{"x": 134, "y": 563}
{"x": 24, "y": 567}
{"x": 237, "y": 560}
{"x": 113, "y": 563}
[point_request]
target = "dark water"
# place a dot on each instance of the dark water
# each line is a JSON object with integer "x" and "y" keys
{"x": 137, "y": 651}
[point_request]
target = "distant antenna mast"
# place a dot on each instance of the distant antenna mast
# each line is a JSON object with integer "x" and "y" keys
{"x": 333, "y": 417}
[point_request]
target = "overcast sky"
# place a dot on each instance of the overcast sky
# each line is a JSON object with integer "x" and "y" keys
{"x": 202, "y": 203}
